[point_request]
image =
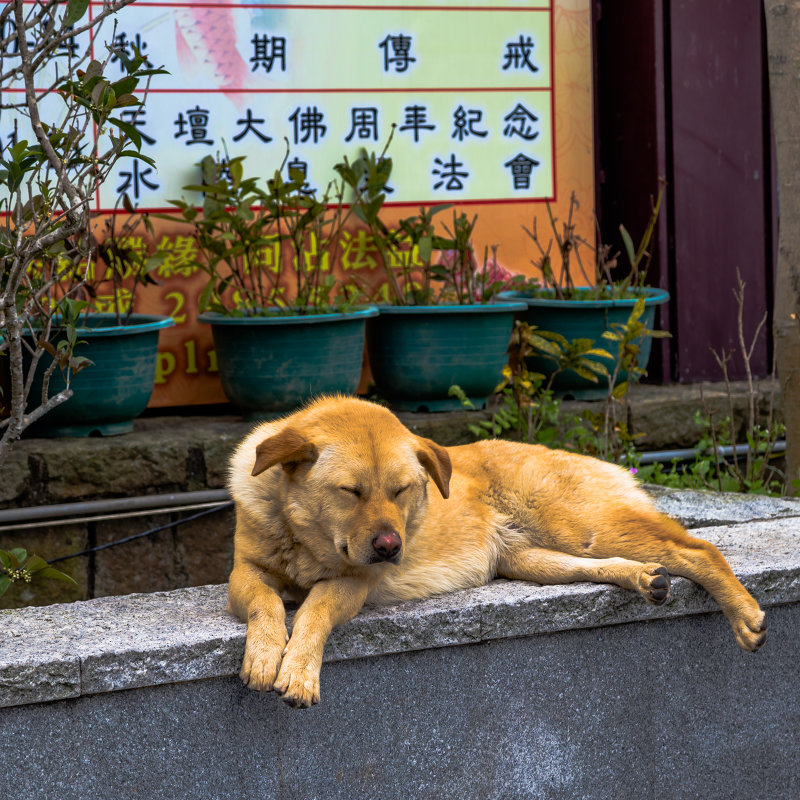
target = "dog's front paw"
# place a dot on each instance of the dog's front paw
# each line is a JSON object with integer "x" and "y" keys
{"x": 262, "y": 660}
{"x": 750, "y": 631}
{"x": 298, "y": 683}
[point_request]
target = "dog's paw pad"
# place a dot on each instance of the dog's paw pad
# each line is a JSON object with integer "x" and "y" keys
{"x": 654, "y": 584}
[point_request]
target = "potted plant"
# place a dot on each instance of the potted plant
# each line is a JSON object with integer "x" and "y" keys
{"x": 584, "y": 313}
{"x": 442, "y": 323}
{"x": 284, "y": 327}
{"x": 99, "y": 347}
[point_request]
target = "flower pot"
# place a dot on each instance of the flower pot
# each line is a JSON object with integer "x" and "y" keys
{"x": 269, "y": 365}
{"x": 115, "y": 388}
{"x": 416, "y": 353}
{"x": 586, "y": 319}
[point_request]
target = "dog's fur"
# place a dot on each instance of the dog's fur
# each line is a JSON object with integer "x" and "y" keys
{"x": 326, "y": 495}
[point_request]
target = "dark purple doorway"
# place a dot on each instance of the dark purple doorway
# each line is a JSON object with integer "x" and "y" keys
{"x": 682, "y": 92}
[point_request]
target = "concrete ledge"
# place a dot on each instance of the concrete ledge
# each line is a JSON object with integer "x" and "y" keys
{"x": 507, "y": 692}
{"x": 109, "y": 644}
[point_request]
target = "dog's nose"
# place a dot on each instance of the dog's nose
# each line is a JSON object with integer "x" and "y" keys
{"x": 387, "y": 544}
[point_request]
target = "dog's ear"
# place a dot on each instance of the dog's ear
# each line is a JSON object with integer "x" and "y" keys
{"x": 436, "y": 460}
{"x": 287, "y": 448}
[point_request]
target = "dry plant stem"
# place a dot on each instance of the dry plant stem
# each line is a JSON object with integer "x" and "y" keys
{"x": 712, "y": 428}
{"x": 611, "y": 409}
{"x": 722, "y": 359}
{"x": 747, "y": 355}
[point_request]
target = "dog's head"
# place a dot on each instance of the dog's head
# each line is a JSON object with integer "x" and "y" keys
{"x": 355, "y": 478}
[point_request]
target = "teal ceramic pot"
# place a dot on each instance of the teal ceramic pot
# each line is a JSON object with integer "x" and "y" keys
{"x": 586, "y": 319}
{"x": 270, "y": 365}
{"x": 416, "y": 353}
{"x": 115, "y": 388}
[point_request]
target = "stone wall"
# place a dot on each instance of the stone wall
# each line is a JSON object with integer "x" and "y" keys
{"x": 512, "y": 690}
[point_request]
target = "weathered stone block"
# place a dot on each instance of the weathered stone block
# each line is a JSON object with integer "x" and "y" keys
{"x": 204, "y": 548}
{"x": 149, "y": 564}
{"x": 15, "y": 478}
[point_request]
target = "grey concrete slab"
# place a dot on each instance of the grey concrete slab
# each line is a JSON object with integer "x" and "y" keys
{"x": 663, "y": 710}
{"x": 110, "y": 644}
{"x": 200, "y": 740}
{"x": 697, "y": 509}
{"x": 730, "y": 719}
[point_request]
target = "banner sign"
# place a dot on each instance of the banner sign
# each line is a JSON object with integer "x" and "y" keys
{"x": 481, "y": 102}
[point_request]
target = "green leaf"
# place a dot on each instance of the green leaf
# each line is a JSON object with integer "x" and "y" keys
{"x": 18, "y": 555}
{"x": 127, "y": 100}
{"x": 55, "y": 574}
{"x": 5, "y": 582}
{"x": 629, "y": 248}
{"x": 75, "y": 11}
{"x": 35, "y": 564}
{"x": 619, "y": 390}
{"x": 129, "y": 130}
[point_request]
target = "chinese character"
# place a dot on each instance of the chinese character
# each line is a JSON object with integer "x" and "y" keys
{"x": 357, "y": 250}
{"x": 268, "y": 257}
{"x": 309, "y": 124}
{"x": 416, "y": 120}
{"x": 123, "y": 44}
{"x": 364, "y": 123}
{"x": 449, "y": 174}
{"x": 135, "y": 179}
{"x": 136, "y": 118}
{"x": 400, "y": 47}
{"x": 302, "y": 168}
{"x": 518, "y": 123}
{"x": 464, "y": 123}
{"x": 67, "y": 47}
{"x": 180, "y": 257}
{"x": 10, "y": 41}
{"x": 266, "y": 49}
{"x": 521, "y": 167}
{"x": 11, "y": 141}
{"x": 107, "y": 303}
{"x": 517, "y": 54}
{"x": 198, "y": 126}
{"x": 249, "y": 123}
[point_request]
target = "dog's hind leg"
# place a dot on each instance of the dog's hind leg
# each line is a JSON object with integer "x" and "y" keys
{"x": 551, "y": 567}
{"x": 655, "y": 536}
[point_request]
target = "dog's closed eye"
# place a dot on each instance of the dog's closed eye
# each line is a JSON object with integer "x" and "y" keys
{"x": 398, "y": 492}
{"x": 353, "y": 490}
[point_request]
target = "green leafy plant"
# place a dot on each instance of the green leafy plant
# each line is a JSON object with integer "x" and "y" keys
{"x": 528, "y": 411}
{"x": 614, "y": 441}
{"x": 719, "y": 464}
{"x": 555, "y": 260}
{"x": 18, "y": 567}
{"x": 107, "y": 277}
{"x": 725, "y": 459}
{"x": 421, "y": 266}
{"x": 261, "y": 245}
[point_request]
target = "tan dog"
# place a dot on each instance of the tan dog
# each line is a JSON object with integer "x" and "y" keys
{"x": 335, "y": 507}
